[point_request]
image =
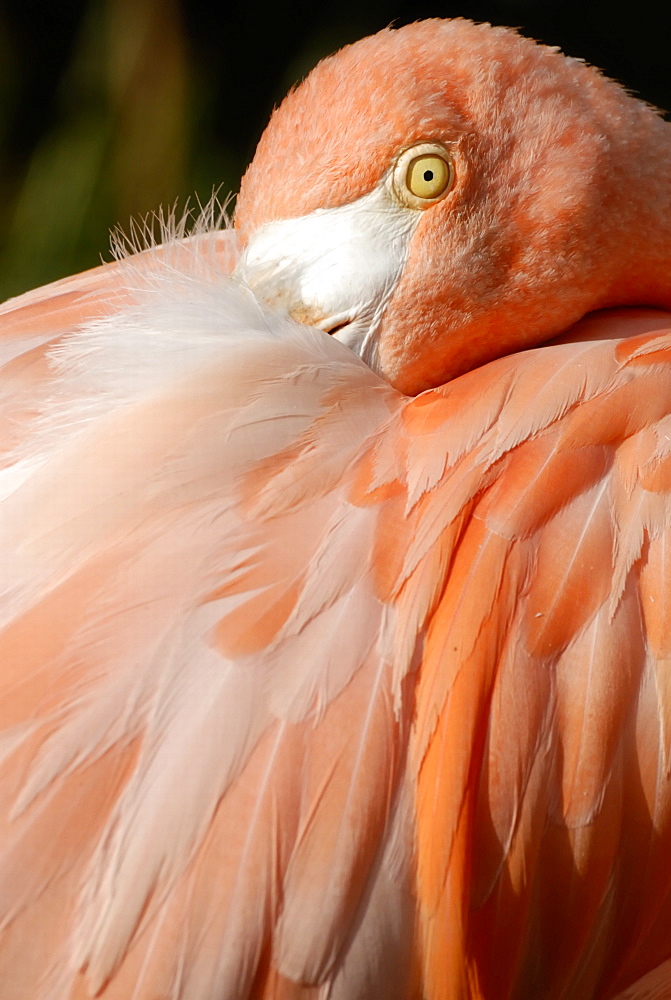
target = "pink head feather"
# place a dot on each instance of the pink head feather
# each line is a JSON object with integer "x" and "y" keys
{"x": 557, "y": 202}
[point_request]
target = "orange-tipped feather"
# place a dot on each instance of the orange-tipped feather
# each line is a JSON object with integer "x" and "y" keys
{"x": 312, "y": 688}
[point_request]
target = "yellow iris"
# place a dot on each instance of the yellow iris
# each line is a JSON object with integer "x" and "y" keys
{"x": 428, "y": 176}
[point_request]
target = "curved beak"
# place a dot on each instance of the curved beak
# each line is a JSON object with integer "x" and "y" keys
{"x": 336, "y": 268}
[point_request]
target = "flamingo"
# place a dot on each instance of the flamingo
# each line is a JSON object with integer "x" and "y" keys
{"x": 336, "y": 604}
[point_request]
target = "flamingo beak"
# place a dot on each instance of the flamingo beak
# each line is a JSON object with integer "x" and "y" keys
{"x": 336, "y": 268}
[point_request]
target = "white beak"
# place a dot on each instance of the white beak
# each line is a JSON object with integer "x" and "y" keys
{"x": 335, "y": 268}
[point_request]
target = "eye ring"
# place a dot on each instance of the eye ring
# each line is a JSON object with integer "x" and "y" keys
{"x": 423, "y": 175}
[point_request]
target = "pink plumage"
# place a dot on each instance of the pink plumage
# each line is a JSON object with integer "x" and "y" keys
{"x": 336, "y": 666}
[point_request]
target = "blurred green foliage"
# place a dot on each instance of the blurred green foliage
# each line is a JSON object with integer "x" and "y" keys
{"x": 112, "y": 108}
{"x": 117, "y": 145}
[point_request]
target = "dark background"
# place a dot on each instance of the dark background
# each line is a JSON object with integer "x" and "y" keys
{"x": 110, "y": 108}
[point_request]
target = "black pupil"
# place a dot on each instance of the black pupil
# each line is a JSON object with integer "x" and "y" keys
{"x": 428, "y": 175}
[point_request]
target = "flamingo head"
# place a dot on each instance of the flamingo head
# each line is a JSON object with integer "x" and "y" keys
{"x": 442, "y": 194}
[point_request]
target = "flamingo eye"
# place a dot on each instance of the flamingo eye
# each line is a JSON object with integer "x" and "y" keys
{"x": 423, "y": 175}
{"x": 428, "y": 177}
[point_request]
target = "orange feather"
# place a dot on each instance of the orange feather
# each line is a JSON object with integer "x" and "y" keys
{"x": 337, "y": 666}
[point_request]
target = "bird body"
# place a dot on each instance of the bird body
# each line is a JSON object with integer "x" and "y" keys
{"x": 311, "y": 687}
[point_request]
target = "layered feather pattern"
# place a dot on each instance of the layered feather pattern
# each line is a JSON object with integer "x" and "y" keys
{"x": 313, "y": 690}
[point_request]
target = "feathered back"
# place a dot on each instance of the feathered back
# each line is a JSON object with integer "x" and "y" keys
{"x": 314, "y": 691}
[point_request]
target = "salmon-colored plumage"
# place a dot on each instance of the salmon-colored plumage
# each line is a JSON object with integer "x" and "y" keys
{"x": 339, "y": 666}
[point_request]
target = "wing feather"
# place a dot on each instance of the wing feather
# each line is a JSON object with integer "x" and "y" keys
{"x": 310, "y": 690}
{"x": 563, "y": 644}
{"x": 144, "y": 602}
